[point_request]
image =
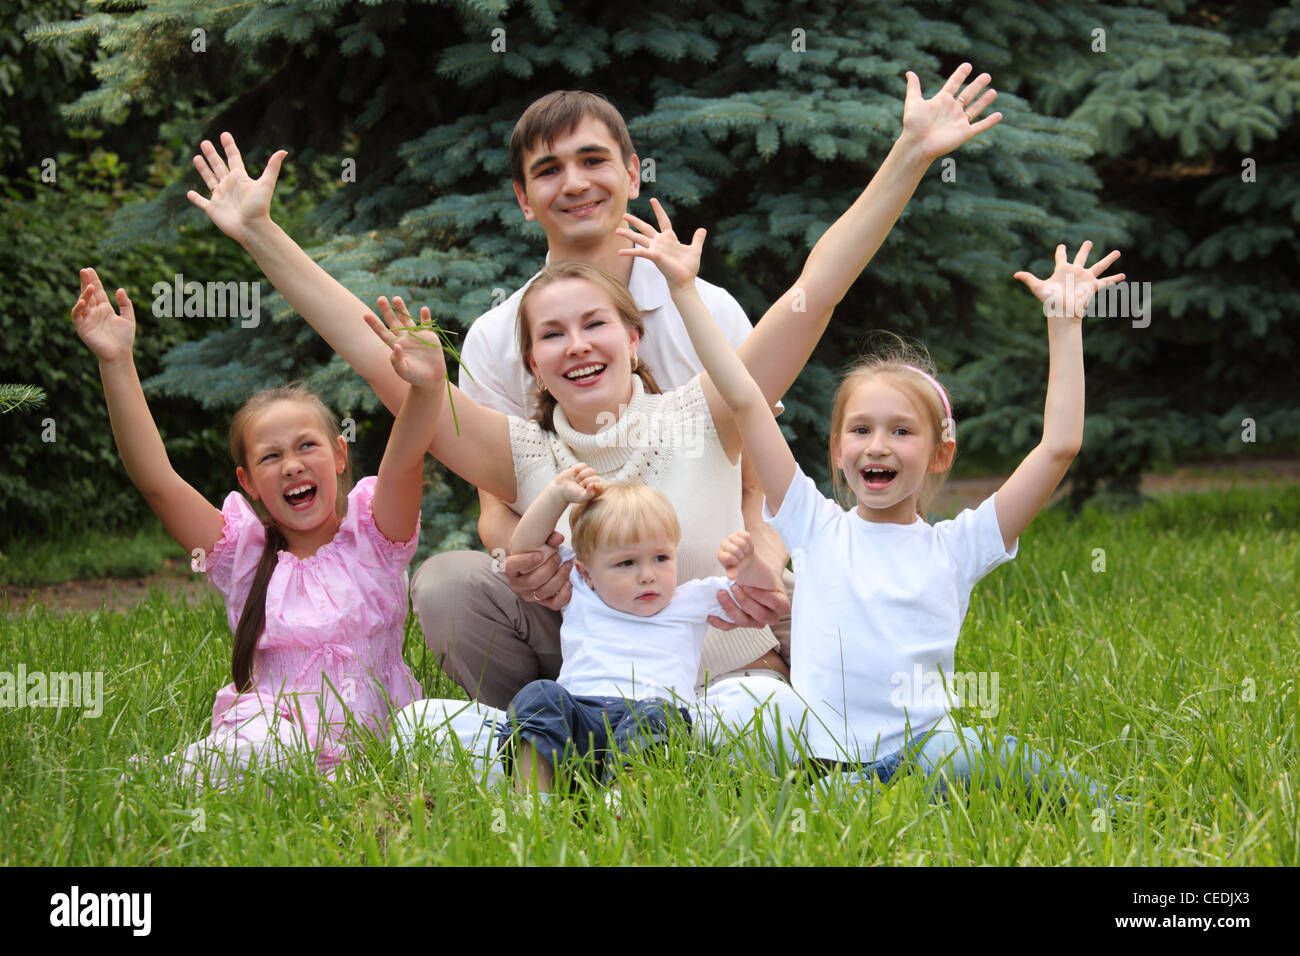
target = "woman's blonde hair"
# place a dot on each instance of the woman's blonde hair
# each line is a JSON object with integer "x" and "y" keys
{"x": 898, "y": 363}
{"x": 619, "y": 515}
{"x": 624, "y": 305}
{"x": 253, "y": 618}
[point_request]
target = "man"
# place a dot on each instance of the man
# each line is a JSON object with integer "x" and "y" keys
{"x": 574, "y": 170}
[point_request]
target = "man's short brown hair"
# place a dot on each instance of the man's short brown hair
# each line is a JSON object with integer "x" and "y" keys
{"x": 558, "y": 113}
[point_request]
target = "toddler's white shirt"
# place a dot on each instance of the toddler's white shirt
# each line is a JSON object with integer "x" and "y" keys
{"x": 608, "y": 653}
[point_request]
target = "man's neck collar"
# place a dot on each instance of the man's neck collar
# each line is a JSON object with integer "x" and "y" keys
{"x": 644, "y": 280}
{"x": 605, "y": 256}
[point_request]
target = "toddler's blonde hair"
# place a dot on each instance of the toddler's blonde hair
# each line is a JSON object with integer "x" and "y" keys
{"x": 620, "y": 515}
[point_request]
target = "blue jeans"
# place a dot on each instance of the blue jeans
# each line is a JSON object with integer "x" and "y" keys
{"x": 948, "y": 758}
{"x": 562, "y": 726}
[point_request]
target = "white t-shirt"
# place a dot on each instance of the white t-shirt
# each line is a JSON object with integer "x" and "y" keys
{"x": 500, "y": 380}
{"x": 608, "y": 653}
{"x": 876, "y": 616}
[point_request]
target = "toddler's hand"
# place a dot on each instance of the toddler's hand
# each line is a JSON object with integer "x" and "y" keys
{"x": 735, "y": 551}
{"x": 417, "y": 355}
{"x": 578, "y": 483}
{"x": 107, "y": 334}
{"x": 1067, "y": 291}
{"x": 679, "y": 264}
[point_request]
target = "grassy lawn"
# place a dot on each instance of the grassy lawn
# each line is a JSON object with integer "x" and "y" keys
{"x": 1170, "y": 675}
{"x": 71, "y": 556}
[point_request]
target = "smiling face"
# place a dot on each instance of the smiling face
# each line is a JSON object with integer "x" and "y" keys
{"x": 292, "y": 465}
{"x": 580, "y": 349}
{"x": 636, "y": 578}
{"x": 577, "y": 187}
{"x": 886, "y": 448}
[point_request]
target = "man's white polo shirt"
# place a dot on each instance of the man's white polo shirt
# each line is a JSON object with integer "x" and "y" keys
{"x": 500, "y": 380}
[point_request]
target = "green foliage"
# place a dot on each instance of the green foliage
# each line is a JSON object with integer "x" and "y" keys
{"x": 13, "y": 397}
{"x": 1198, "y": 142}
{"x": 766, "y": 142}
{"x": 79, "y": 554}
{"x": 61, "y": 471}
{"x": 729, "y": 114}
{"x": 35, "y": 80}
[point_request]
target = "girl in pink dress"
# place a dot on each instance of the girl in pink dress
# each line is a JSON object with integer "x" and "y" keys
{"x": 313, "y": 574}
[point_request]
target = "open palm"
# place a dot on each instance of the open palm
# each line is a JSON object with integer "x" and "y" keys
{"x": 106, "y": 332}
{"x": 416, "y": 352}
{"x": 678, "y": 263}
{"x": 946, "y": 120}
{"x": 237, "y": 199}
{"x": 1067, "y": 291}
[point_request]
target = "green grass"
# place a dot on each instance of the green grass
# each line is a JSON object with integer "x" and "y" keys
{"x": 90, "y": 554}
{"x": 1170, "y": 676}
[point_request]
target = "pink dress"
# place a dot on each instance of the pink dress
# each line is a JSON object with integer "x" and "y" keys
{"x": 331, "y": 649}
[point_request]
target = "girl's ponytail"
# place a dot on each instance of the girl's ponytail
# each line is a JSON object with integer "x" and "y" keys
{"x": 253, "y": 617}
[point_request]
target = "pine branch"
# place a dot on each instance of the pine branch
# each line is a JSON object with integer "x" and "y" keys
{"x": 17, "y": 397}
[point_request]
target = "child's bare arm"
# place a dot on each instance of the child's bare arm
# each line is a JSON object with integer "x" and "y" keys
{"x": 240, "y": 206}
{"x": 1065, "y": 296}
{"x": 745, "y": 565}
{"x": 188, "y": 517}
{"x": 417, "y": 358}
{"x": 725, "y": 372}
{"x": 784, "y": 339}
{"x": 577, "y": 483}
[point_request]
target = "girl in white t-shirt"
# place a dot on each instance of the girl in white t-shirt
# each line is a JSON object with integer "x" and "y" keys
{"x": 631, "y": 637}
{"x": 882, "y": 593}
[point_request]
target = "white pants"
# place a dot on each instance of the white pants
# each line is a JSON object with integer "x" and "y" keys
{"x": 755, "y": 720}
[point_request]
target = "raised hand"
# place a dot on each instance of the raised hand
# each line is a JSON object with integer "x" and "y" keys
{"x": 679, "y": 264}
{"x": 1067, "y": 291}
{"x": 238, "y": 200}
{"x": 946, "y": 120}
{"x": 578, "y": 483}
{"x": 735, "y": 550}
{"x": 416, "y": 350}
{"x": 106, "y": 332}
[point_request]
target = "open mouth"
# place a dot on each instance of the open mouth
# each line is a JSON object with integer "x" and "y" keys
{"x": 585, "y": 375}
{"x": 300, "y": 496}
{"x": 584, "y": 209}
{"x": 876, "y": 478}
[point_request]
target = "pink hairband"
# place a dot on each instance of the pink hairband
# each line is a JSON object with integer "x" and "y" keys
{"x": 943, "y": 396}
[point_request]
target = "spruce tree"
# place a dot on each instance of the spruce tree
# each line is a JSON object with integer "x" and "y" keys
{"x": 763, "y": 121}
